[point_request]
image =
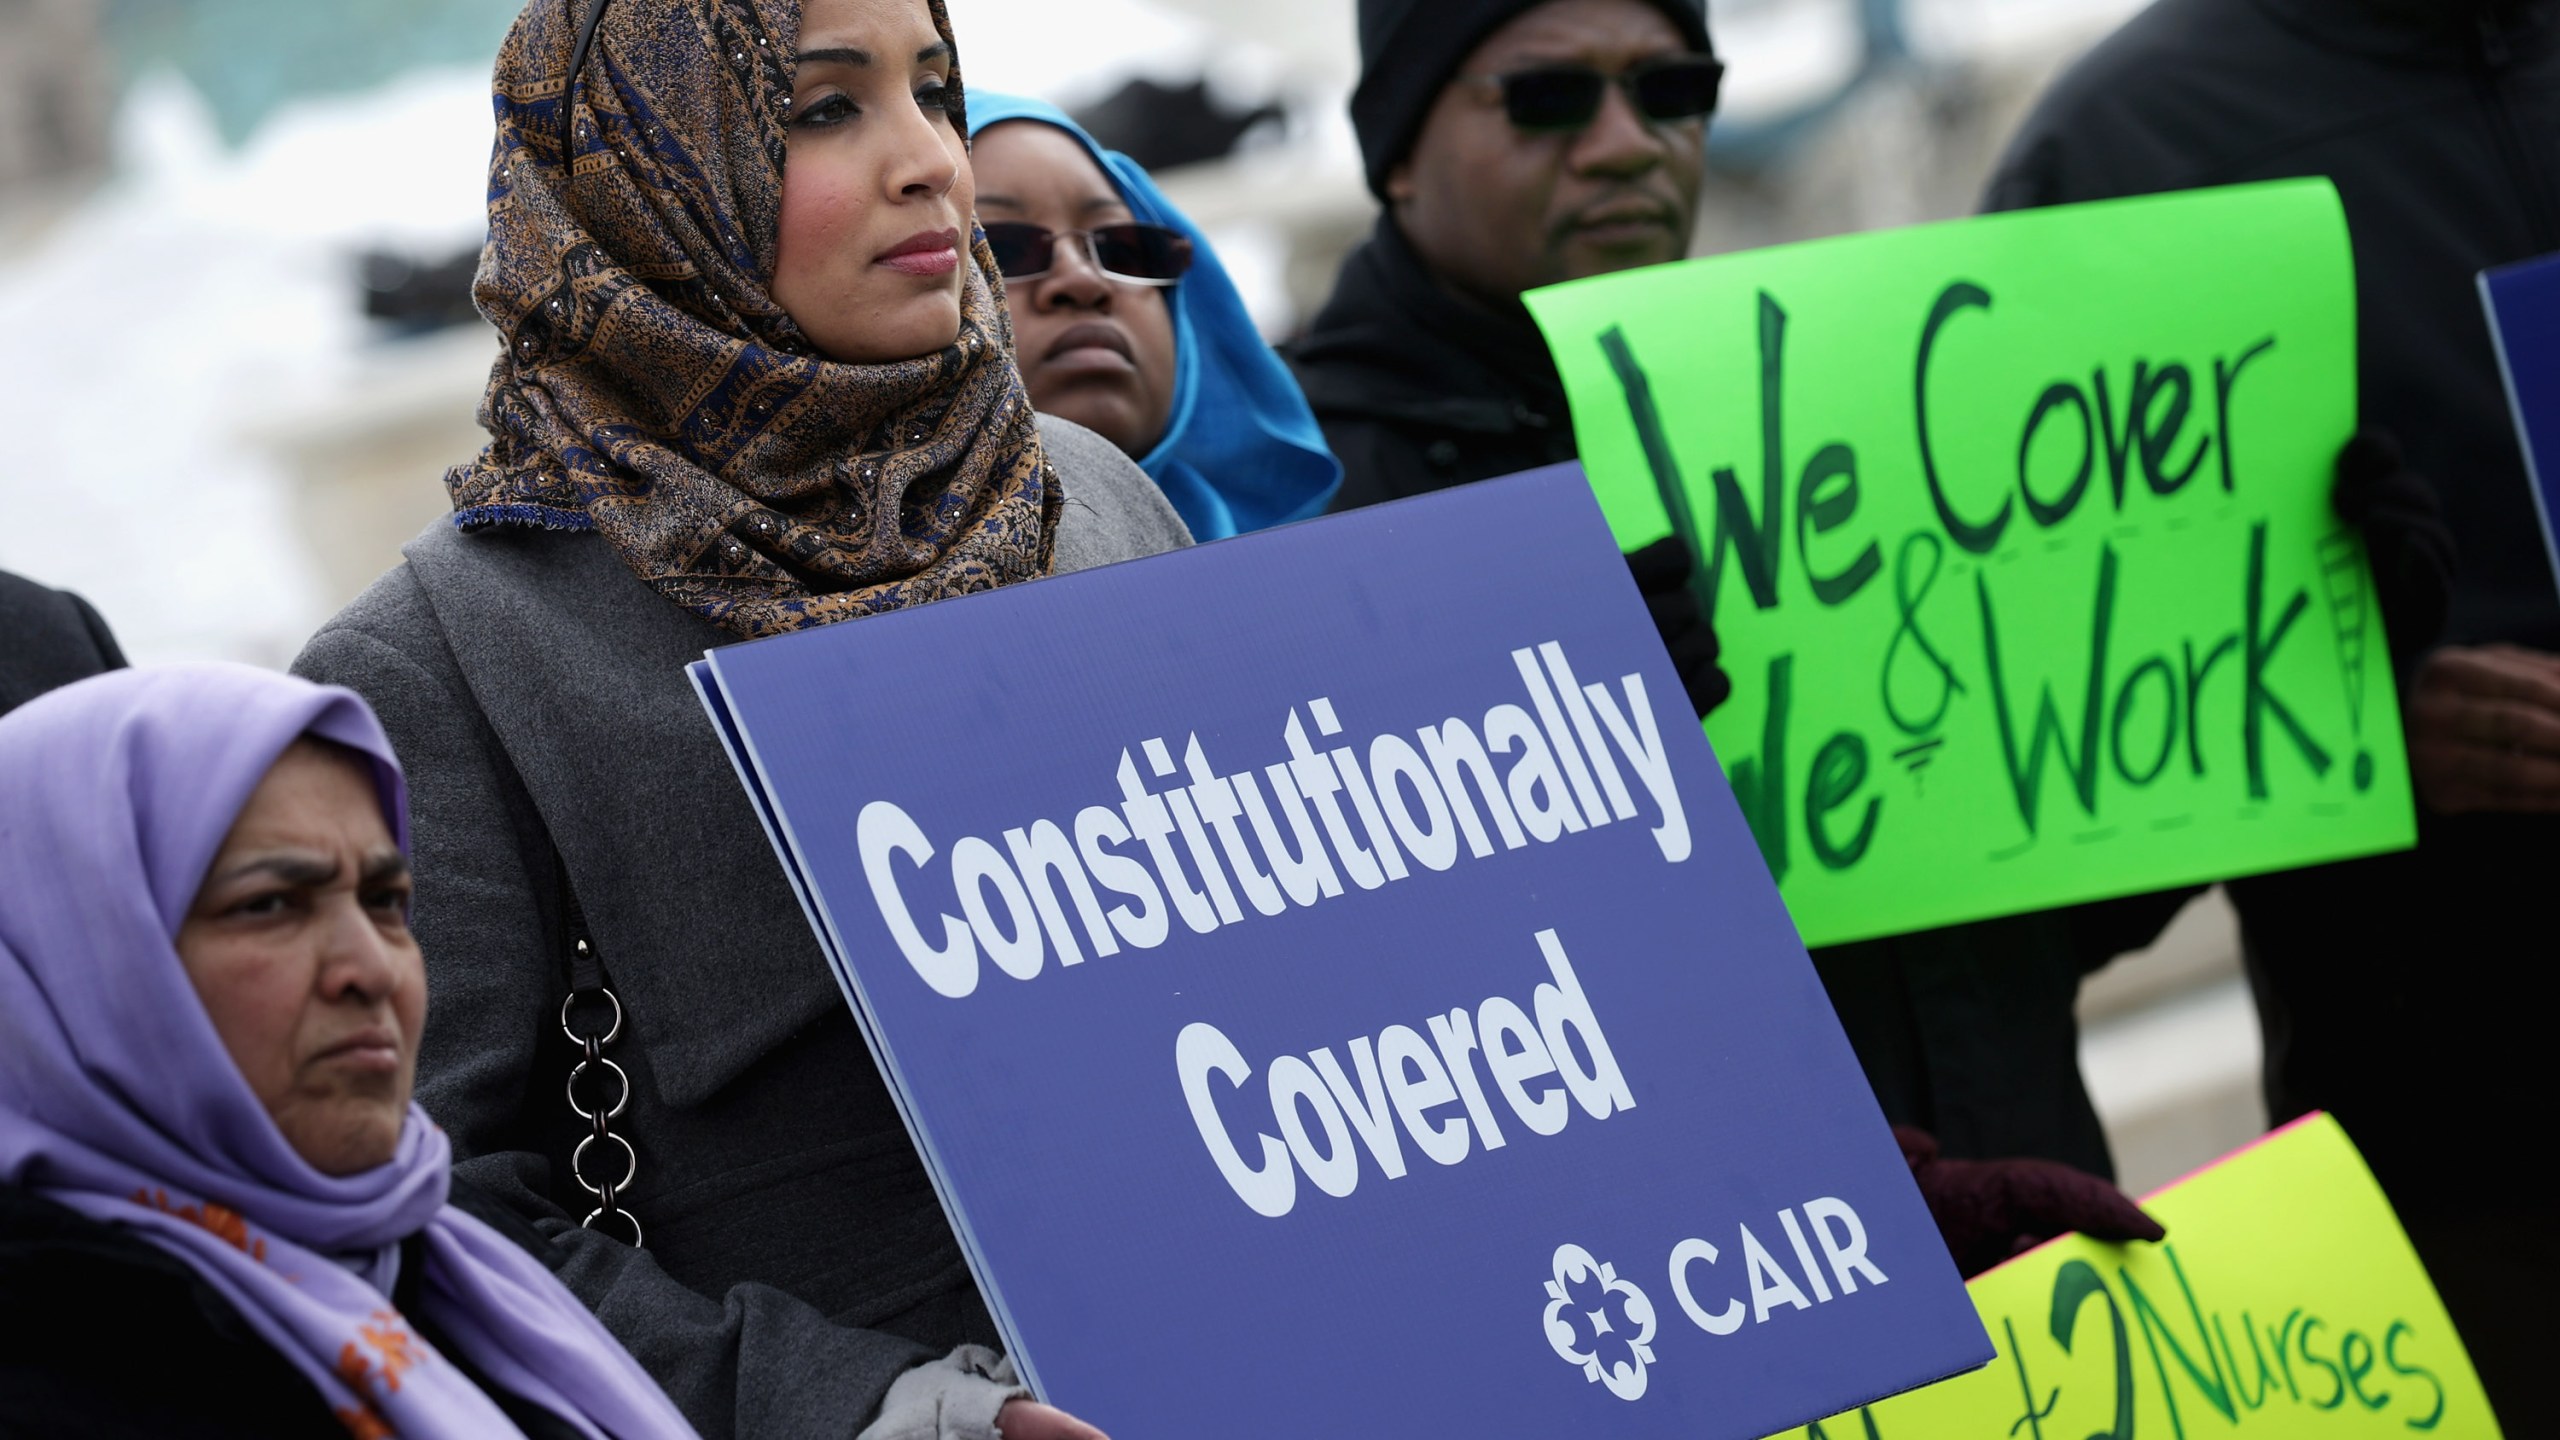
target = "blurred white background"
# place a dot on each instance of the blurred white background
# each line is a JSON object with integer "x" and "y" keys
{"x": 233, "y": 233}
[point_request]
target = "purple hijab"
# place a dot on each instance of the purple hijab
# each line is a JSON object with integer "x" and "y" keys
{"x": 118, "y": 1100}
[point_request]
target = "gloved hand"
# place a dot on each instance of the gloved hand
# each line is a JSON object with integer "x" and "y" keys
{"x": 1990, "y": 1210}
{"x": 1661, "y": 571}
{"x": 2399, "y": 515}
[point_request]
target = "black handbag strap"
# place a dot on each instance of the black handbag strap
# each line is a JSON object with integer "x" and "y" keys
{"x": 591, "y": 1015}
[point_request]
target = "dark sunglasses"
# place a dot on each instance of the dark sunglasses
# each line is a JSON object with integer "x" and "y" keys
{"x": 1133, "y": 254}
{"x": 1556, "y": 98}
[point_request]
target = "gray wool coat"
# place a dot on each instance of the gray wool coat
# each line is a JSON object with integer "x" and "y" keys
{"x": 796, "y": 1261}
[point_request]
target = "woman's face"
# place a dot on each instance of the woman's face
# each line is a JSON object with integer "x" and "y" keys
{"x": 299, "y": 947}
{"x": 875, "y": 191}
{"x": 1092, "y": 349}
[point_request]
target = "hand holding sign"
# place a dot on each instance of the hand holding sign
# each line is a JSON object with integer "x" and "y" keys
{"x": 1031, "y": 1420}
{"x": 2484, "y": 730}
{"x": 1664, "y": 572}
{"x": 1989, "y": 1210}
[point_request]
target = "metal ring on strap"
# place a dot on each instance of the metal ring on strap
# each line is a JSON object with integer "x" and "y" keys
{"x": 609, "y": 1036}
{"x": 620, "y": 1103}
{"x": 600, "y": 1212}
{"x": 577, "y": 1169}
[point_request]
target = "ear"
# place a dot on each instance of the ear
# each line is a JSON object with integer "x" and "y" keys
{"x": 1400, "y": 189}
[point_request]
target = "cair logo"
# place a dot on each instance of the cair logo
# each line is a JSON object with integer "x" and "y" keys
{"x": 1603, "y": 1323}
{"x": 1600, "y": 1322}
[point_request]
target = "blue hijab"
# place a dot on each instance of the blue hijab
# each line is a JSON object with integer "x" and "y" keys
{"x": 1241, "y": 449}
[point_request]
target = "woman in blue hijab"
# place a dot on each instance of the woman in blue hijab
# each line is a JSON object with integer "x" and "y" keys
{"x": 1125, "y": 322}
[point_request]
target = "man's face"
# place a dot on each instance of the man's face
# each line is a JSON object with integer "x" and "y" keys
{"x": 1498, "y": 210}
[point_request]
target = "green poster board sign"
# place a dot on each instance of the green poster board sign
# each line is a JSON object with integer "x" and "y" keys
{"x": 2016, "y": 531}
{"x": 2285, "y": 1303}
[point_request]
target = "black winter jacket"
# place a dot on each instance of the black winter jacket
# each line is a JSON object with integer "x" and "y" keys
{"x": 2439, "y": 122}
{"x": 106, "y": 1335}
{"x": 2405, "y": 993}
{"x": 48, "y": 638}
{"x": 2410, "y": 995}
{"x": 1418, "y": 388}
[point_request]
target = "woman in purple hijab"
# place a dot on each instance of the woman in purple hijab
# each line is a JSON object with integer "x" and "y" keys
{"x": 220, "y": 1212}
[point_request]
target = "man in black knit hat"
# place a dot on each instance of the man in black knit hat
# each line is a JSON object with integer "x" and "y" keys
{"x": 1424, "y": 368}
{"x": 1513, "y": 144}
{"x": 1516, "y": 144}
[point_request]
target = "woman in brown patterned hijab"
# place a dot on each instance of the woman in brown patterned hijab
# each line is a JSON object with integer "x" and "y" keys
{"x": 784, "y": 393}
{"x": 757, "y": 376}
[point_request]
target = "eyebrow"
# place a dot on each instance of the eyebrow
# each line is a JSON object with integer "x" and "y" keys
{"x": 300, "y": 870}
{"x": 309, "y": 871}
{"x": 848, "y": 55}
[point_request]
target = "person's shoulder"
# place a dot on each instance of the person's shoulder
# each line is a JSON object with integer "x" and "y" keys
{"x": 80, "y": 1290}
{"x": 44, "y": 1242}
{"x": 30, "y": 1222}
{"x": 22, "y": 596}
{"x": 387, "y": 644}
{"x": 2118, "y": 120}
{"x": 1113, "y": 511}
{"x": 52, "y": 1257}
{"x": 27, "y": 607}
{"x": 393, "y": 606}
{"x": 1363, "y": 364}
{"x": 499, "y": 563}
{"x": 48, "y": 638}
{"x": 448, "y": 577}
{"x": 2155, "y": 40}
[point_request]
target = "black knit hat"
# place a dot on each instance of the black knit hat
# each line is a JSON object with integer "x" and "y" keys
{"x": 1410, "y": 48}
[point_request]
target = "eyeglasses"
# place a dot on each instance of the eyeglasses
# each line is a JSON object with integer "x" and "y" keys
{"x": 1131, "y": 254}
{"x": 1553, "y": 99}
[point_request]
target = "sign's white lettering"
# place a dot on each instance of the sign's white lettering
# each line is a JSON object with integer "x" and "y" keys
{"x": 1518, "y": 774}
{"x": 1834, "y": 1226}
{"x": 1402, "y": 1086}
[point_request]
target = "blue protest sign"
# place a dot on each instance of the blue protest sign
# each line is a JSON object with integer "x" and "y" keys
{"x": 1336, "y": 994}
{"x": 2524, "y": 317}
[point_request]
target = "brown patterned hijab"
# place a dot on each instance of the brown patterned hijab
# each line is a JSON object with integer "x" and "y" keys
{"x": 651, "y": 389}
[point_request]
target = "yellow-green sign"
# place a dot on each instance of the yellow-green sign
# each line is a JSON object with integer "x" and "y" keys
{"x": 2285, "y": 1303}
{"x": 2017, "y": 534}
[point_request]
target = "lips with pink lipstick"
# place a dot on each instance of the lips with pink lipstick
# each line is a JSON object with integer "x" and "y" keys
{"x": 928, "y": 254}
